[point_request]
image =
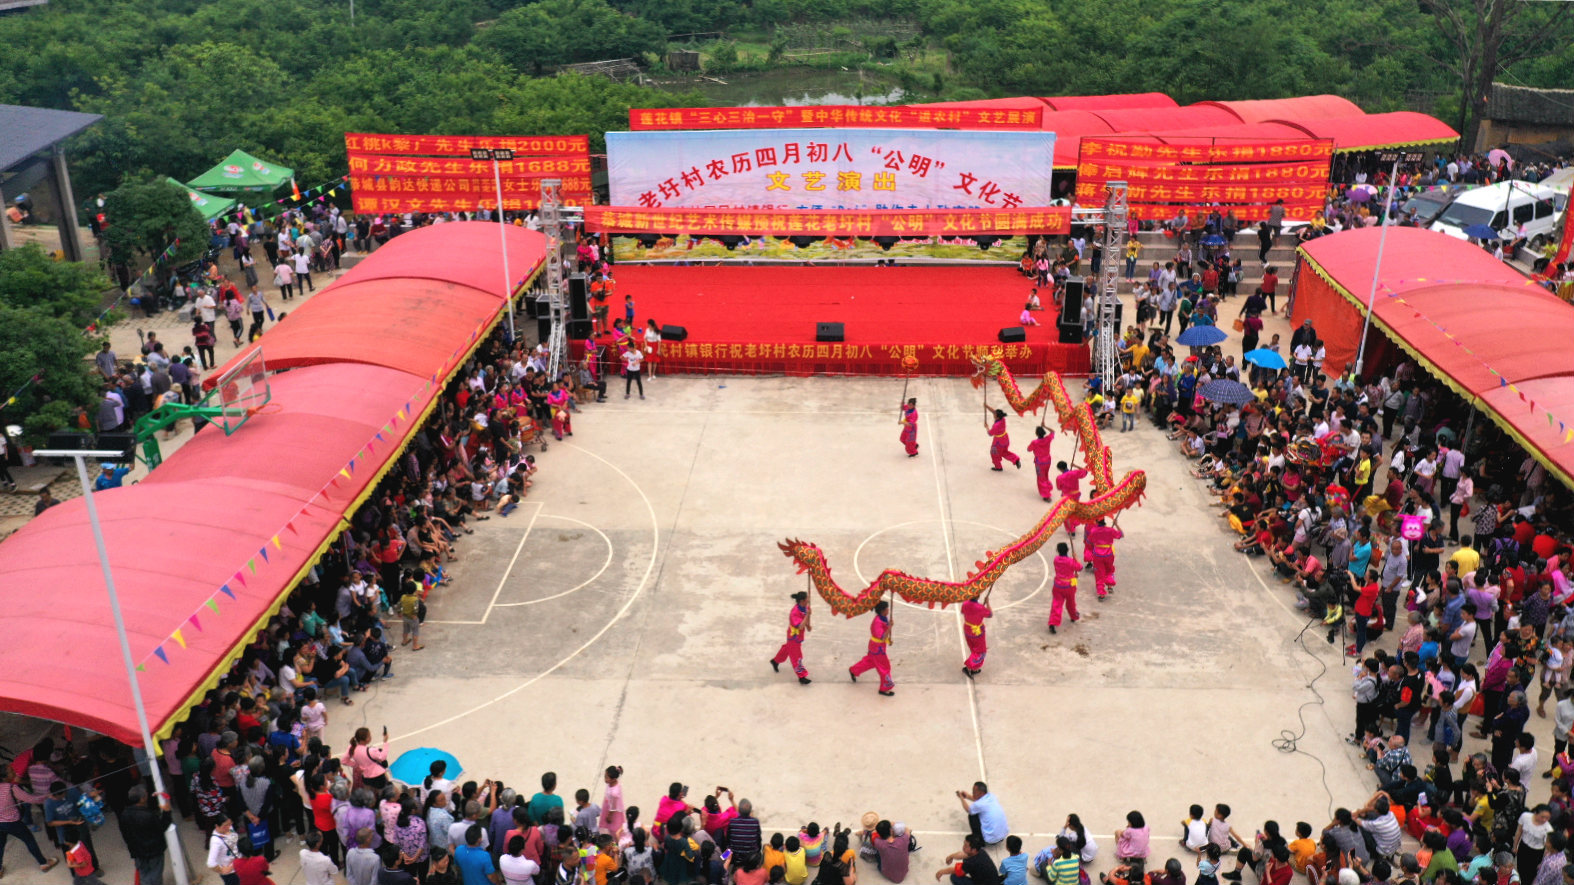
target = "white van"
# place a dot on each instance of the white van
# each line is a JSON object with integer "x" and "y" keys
{"x": 1512, "y": 208}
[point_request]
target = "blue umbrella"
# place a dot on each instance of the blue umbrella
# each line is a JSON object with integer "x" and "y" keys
{"x": 413, "y": 766}
{"x": 1213, "y": 241}
{"x": 1481, "y": 232}
{"x": 1225, "y": 390}
{"x": 1201, "y": 336}
{"x": 1267, "y": 359}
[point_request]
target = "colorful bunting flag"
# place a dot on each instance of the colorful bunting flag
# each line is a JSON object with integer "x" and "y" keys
{"x": 213, "y": 604}
{"x": 193, "y": 621}
{"x": 276, "y": 543}
{"x": 226, "y": 588}
{"x": 161, "y": 655}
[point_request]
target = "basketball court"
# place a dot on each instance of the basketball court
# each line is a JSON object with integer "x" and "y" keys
{"x": 625, "y": 614}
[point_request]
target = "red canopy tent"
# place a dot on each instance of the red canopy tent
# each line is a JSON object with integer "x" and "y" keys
{"x": 1365, "y": 132}
{"x": 1302, "y": 107}
{"x": 1126, "y": 101}
{"x": 206, "y": 548}
{"x": 1488, "y": 332}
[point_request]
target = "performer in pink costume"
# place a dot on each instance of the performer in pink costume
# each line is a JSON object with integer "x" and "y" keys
{"x": 974, "y": 611}
{"x": 1041, "y": 461}
{"x": 557, "y": 399}
{"x": 792, "y": 650}
{"x": 876, "y": 659}
{"x": 1100, "y": 551}
{"x": 1065, "y": 588}
{"x": 1069, "y": 484}
{"x": 1001, "y": 445}
{"x": 909, "y": 423}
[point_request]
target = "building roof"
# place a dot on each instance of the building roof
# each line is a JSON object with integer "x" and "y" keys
{"x": 25, "y": 131}
{"x": 1522, "y": 104}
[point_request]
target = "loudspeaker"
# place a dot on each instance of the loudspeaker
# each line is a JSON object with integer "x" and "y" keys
{"x": 1071, "y": 303}
{"x": 543, "y": 330}
{"x": 578, "y": 330}
{"x": 1070, "y": 333}
{"x": 829, "y": 332}
{"x": 578, "y": 292}
{"x": 1013, "y": 335}
{"x": 674, "y": 333}
{"x": 125, "y": 443}
{"x": 68, "y": 440}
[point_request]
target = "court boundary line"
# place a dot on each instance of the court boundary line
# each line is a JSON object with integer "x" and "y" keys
{"x": 503, "y": 578}
{"x": 583, "y": 584}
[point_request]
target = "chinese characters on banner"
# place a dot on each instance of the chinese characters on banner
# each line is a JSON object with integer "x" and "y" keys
{"x": 819, "y": 169}
{"x": 436, "y": 173}
{"x": 860, "y": 223}
{"x": 835, "y": 116}
{"x": 861, "y": 359}
{"x": 1248, "y": 178}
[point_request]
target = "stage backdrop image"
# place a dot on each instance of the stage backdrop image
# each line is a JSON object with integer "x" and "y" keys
{"x": 830, "y": 169}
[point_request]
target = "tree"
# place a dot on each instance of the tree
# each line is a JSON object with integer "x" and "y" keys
{"x": 1487, "y": 36}
{"x": 71, "y": 290}
{"x": 534, "y": 39}
{"x": 33, "y": 343}
{"x": 146, "y": 217}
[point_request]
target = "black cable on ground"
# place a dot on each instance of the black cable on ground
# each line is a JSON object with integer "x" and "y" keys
{"x": 1289, "y": 742}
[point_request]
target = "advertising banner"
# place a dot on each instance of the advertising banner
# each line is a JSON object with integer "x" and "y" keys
{"x": 460, "y": 145}
{"x": 1248, "y": 178}
{"x": 841, "y": 169}
{"x": 835, "y": 116}
{"x": 436, "y": 167}
{"x": 861, "y": 223}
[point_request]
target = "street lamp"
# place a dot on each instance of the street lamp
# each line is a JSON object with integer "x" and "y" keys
{"x": 495, "y": 155}
{"x": 80, "y": 456}
{"x": 1395, "y": 157}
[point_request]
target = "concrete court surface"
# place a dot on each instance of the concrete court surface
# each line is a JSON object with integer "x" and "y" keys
{"x": 625, "y": 614}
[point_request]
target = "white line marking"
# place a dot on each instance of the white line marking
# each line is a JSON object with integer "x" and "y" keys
{"x": 655, "y": 550}
{"x": 503, "y": 579}
{"x": 587, "y": 582}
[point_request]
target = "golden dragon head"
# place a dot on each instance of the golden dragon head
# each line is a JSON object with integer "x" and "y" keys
{"x": 809, "y": 557}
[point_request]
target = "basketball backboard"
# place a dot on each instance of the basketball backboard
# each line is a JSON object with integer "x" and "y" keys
{"x": 243, "y": 391}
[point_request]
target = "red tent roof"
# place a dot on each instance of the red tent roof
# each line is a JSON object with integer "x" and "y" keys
{"x": 194, "y": 525}
{"x": 1372, "y": 131}
{"x": 247, "y": 513}
{"x": 1464, "y": 317}
{"x": 1143, "y": 120}
{"x": 365, "y": 316}
{"x": 1110, "y": 102}
{"x": 1069, "y": 127}
{"x": 1304, "y": 107}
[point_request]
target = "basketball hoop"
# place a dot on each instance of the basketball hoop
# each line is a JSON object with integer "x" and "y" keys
{"x": 243, "y": 392}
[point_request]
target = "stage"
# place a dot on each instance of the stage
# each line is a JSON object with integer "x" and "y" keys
{"x": 761, "y": 320}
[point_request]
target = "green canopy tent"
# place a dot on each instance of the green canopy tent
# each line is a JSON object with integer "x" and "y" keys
{"x": 241, "y": 172}
{"x": 210, "y": 205}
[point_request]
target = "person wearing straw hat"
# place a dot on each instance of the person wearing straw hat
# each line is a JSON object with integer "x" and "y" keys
{"x": 797, "y": 626}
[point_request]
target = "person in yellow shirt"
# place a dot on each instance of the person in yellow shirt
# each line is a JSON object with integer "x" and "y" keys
{"x": 1139, "y": 354}
{"x": 1133, "y": 249}
{"x": 1466, "y": 556}
{"x": 1128, "y": 409}
{"x": 1303, "y": 849}
{"x": 797, "y": 862}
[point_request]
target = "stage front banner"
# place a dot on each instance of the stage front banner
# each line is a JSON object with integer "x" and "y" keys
{"x": 835, "y": 116}
{"x": 775, "y": 358}
{"x": 860, "y": 223}
{"x": 830, "y": 169}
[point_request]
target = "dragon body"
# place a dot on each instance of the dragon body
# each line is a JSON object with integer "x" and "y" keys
{"x": 1107, "y": 499}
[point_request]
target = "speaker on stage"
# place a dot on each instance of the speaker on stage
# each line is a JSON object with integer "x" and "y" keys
{"x": 543, "y": 330}
{"x": 1071, "y": 303}
{"x": 1013, "y": 335}
{"x": 829, "y": 332}
{"x": 579, "y": 330}
{"x": 674, "y": 333}
{"x": 1070, "y": 333}
{"x": 578, "y": 292}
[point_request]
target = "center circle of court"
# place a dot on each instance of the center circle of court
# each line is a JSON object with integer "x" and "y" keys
{"x": 966, "y": 550}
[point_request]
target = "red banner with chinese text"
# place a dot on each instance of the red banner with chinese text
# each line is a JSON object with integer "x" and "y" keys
{"x": 780, "y": 358}
{"x": 454, "y": 167}
{"x": 851, "y": 222}
{"x": 1115, "y": 148}
{"x": 814, "y": 116}
{"x": 460, "y": 145}
{"x": 1248, "y": 178}
{"x": 374, "y": 185}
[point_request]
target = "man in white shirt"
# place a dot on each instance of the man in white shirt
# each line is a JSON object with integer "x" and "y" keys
{"x": 1303, "y": 361}
{"x": 207, "y": 308}
{"x": 303, "y": 271}
{"x": 317, "y": 867}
